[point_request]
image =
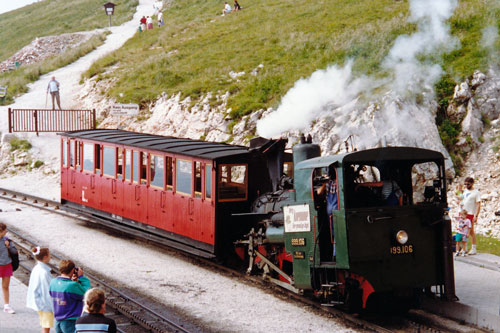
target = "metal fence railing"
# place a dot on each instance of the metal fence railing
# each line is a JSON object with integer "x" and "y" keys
{"x": 36, "y": 120}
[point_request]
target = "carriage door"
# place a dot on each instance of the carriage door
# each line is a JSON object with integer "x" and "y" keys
{"x": 140, "y": 186}
{"x": 196, "y": 215}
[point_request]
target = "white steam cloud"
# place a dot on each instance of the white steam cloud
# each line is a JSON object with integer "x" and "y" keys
{"x": 336, "y": 91}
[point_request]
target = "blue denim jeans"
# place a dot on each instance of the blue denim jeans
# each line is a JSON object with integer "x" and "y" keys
{"x": 65, "y": 326}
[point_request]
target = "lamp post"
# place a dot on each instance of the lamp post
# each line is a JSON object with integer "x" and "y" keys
{"x": 109, "y": 8}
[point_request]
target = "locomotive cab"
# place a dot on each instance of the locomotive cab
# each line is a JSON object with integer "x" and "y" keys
{"x": 386, "y": 234}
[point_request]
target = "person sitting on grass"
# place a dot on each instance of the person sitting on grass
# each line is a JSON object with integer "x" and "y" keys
{"x": 227, "y": 9}
{"x": 236, "y": 5}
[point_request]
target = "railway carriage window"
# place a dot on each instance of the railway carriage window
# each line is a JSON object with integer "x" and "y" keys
{"x": 184, "y": 173}
{"x": 78, "y": 155}
{"x": 136, "y": 167}
{"x": 232, "y": 184}
{"x": 119, "y": 173}
{"x": 426, "y": 183}
{"x": 170, "y": 171}
{"x": 109, "y": 161}
{"x": 157, "y": 169}
{"x": 88, "y": 157}
{"x": 64, "y": 153}
{"x": 128, "y": 164}
{"x": 98, "y": 159}
{"x": 197, "y": 179}
{"x": 72, "y": 154}
{"x": 144, "y": 170}
{"x": 208, "y": 181}
{"x": 288, "y": 169}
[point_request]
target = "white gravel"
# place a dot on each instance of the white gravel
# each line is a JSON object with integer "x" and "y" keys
{"x": 220, "y": 303}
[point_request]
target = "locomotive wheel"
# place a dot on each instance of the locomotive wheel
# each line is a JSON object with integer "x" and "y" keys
{"x": 353, "y": 297}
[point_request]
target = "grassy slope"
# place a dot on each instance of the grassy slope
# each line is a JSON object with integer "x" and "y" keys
{"x": 197, "y": 48}
{"x": 53, "y": 17}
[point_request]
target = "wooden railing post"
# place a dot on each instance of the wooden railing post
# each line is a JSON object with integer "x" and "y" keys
{"x": 10, "y": 120}
{"x": 93, "y": 119}
{"x": 36, "y": 121}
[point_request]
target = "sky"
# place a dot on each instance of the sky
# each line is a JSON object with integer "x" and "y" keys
{"x": 8, "y": 5}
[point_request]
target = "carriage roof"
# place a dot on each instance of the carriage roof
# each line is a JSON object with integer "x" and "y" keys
{"x": 168, "y": 144}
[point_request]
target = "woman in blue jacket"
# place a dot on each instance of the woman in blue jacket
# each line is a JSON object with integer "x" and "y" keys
{"x": 38, "y": 297}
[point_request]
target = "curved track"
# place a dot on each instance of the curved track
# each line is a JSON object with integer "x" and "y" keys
{"x": 151, "y": 321}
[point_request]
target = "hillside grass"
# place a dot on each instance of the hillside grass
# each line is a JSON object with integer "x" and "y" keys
{"x": 17, "y": 80}
{"x": 53, "y": 17}
{"x": 197, "y": 48}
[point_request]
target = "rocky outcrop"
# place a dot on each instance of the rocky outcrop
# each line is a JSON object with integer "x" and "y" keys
{"x": 44, "y": 47}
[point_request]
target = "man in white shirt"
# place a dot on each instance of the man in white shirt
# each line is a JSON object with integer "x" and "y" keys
{"x": 227, "y": 9}
{"x": 53, "y": 88}
{"x": 471, "y": 202}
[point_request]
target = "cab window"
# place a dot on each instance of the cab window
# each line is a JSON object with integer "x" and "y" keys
{"x": 72, "y": 154}
{"x": 232, "y": 182}
{"x": 184, "y": 172}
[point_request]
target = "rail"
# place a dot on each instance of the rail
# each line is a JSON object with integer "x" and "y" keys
{"x": 44, "y": 120}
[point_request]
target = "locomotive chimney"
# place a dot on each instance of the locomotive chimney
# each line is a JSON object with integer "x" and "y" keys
{"x": 305, "y": 150}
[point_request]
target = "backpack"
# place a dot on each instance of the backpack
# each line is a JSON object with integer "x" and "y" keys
{"x": 14, "y": 256}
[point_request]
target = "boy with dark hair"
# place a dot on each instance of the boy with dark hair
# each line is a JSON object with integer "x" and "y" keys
{"x": 67, "y": 292}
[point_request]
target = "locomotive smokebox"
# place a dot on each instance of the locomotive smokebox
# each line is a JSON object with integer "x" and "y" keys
{"x": 305, "y": 150}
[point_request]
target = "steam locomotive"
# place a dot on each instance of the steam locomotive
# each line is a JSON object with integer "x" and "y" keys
{"x": 263, "y": 205}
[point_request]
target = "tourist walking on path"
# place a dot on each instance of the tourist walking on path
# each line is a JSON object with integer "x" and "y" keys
{"x": 38, "y": 297}
{"x": 471, "y": 202}
{"x": 5, "y": 266}
{"x": 95, "y": 321}
{"x": 160, "y": 19}
{"x": 149, "y": 22}
{"x": 53, "y": 88}
{"x": 67, "y": 292}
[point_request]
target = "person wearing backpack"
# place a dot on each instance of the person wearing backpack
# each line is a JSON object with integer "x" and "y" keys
{"x": 6, "y": 270}
{"x": 38, "y": 296}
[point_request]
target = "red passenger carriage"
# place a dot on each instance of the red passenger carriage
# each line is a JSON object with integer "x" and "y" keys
{"x": 183, "y": 190}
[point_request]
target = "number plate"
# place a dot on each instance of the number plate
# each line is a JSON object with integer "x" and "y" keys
{"x": 298, "y": 242}
{"x": 401, "y": 249}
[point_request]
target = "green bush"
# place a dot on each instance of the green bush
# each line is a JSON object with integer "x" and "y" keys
{"x": 19, "y": 144}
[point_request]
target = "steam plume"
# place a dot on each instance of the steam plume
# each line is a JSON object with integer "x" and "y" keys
{"x": 336, "y": 91}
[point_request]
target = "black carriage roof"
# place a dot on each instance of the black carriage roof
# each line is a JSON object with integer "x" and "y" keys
{"x": 417, "y": 155}
{"x": 169, "y": 144}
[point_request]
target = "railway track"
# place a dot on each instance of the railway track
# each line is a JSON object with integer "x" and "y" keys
{"x": 131, "y": 316}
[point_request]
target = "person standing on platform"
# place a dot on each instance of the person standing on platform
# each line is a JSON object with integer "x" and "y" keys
{"x": 5, "y": 267}
{"x": 67, "y": 292}
{"x": 471, "y": 202}
{"x": 38, "y": 297}
{"x": 95, "y": 321}
{"x": 53, "y": 88}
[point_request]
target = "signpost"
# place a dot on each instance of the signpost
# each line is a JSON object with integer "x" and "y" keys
{"x": 124, "y": 110}
{"x": 109, "y": 8}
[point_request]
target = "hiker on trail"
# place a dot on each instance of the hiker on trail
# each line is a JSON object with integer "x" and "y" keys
{"x": 160, "y": 19}
{"x": 143, "y": 23}
{"x": 149, "y": 22}
{"x": 53, "y": 88}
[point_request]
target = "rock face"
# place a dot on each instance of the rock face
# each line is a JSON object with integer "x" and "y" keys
{"x": 44, "y": 47}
